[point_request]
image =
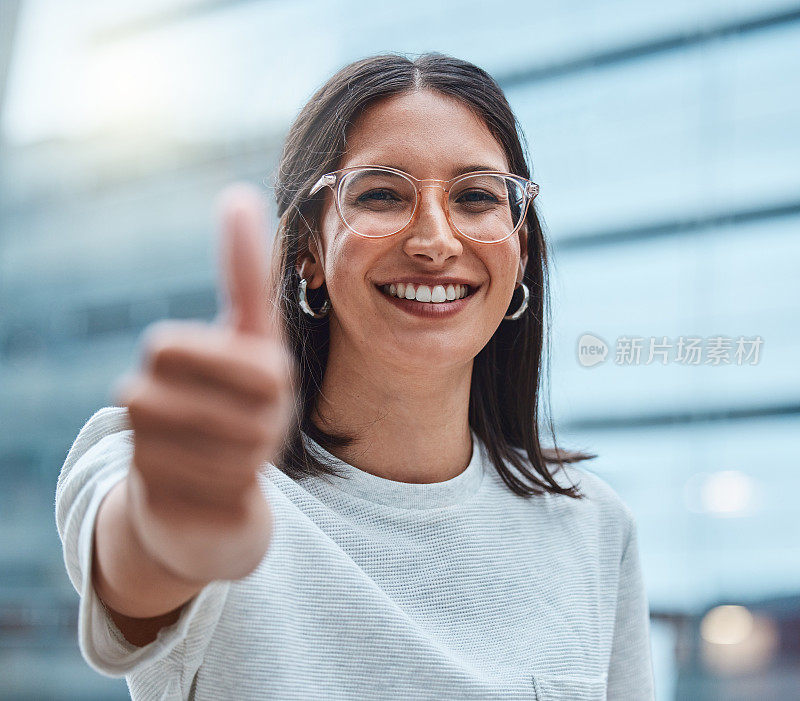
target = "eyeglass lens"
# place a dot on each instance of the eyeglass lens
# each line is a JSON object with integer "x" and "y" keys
{"x": 380, "y": 203}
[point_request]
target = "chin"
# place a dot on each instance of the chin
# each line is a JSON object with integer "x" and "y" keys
{"x": 425, "y": 351}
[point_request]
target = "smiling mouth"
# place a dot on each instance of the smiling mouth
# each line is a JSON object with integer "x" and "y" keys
{"x": 439, "y": 294}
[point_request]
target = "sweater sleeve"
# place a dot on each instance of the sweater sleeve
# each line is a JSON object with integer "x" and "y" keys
{"x": 164, "y": 668}
{"x": 630, "y": 674}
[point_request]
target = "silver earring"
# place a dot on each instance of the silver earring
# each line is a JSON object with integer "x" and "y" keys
{"x": 304, "y": 302}
{"x": 517, "y": 314}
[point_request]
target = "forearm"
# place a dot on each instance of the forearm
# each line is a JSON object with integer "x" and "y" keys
{"x": 125, "y": 576}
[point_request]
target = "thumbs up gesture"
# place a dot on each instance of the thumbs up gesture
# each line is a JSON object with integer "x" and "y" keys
{"x": 210, "y": 405}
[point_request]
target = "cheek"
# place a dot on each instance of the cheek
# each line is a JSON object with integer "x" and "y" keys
{"x": 504, "y": 264}
{"x": 349, "y": 261}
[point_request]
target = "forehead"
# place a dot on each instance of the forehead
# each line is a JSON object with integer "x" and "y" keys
{"x": 424, "y": 133}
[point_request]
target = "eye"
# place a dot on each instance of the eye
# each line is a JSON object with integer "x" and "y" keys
{"x": 477, "y": 196}
{"x": 377, "y": 195}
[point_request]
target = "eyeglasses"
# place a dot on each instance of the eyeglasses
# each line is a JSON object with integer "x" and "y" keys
{"x": 485, "y": 206}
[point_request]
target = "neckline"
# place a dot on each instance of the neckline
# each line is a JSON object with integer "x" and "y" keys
{"x": 405, "y": 495}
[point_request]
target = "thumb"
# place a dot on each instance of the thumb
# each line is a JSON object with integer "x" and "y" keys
{"x": 244, "y": 256}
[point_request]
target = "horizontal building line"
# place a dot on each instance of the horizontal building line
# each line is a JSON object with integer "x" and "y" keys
{"x": 669, "y": 419}
{"x": 624, "y": 54}
{"x": 676, "y": 226}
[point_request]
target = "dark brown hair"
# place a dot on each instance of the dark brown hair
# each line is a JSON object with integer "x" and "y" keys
{"x": 505, "y": 390}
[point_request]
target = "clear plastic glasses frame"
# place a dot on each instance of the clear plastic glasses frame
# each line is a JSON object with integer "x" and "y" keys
{"x": 335, "y": 178}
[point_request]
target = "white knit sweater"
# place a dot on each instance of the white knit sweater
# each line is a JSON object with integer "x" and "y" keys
{"x": 376, "y": 589}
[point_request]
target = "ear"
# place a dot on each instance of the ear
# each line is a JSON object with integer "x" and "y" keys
{"x": 523, "y": 251}
{"x": 310, "y": 263}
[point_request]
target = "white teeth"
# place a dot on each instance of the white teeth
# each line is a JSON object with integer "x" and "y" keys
{"x": 423, "y": 293}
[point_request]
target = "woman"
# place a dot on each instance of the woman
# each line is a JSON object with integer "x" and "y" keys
{"x": 342, "y": 494}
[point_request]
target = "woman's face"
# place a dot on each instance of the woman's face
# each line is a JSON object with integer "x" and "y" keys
{"x": 427, "y": 135}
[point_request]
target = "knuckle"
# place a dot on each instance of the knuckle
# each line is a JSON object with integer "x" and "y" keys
{"x": 155, "y": 334}
{"x": 164, "y": 337}
{"x": 268, "y": 370}
{"x": 160, "y": 349}
{"x": 140, "y": 405}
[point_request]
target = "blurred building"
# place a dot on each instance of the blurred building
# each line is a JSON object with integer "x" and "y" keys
{"x": 664, "y": 138}
{"x": 736, "y": 652}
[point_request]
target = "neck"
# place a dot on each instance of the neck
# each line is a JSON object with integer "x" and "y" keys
{"x": 411, "y": 423}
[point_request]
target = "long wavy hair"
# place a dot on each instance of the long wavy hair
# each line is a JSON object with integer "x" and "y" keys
{"x": 505, "y": 393}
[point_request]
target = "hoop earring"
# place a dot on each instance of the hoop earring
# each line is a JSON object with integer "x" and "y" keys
{"x": 304, "y": 302}
{"x": 517, "y": 314}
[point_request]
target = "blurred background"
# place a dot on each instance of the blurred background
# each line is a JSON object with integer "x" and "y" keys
{"x": 666, "y": 141}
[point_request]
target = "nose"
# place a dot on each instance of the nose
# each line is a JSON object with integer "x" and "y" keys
{"x": 430, "y": 235}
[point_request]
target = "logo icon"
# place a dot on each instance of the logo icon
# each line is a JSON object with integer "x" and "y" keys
{"x": 591, "y": 350}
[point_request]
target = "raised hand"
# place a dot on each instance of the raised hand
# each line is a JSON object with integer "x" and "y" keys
{"x": 211, "y": 404}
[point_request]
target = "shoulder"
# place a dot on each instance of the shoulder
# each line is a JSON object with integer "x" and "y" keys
{"x": 598, "y": 493}
{"x": 596, "y": 490}
{"x": 600, "y": 513}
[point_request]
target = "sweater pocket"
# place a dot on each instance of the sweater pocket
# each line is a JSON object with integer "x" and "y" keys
{"x": 561, "y": 688}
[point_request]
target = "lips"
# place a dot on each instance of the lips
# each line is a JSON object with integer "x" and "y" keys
{"x": 429, "y": 310}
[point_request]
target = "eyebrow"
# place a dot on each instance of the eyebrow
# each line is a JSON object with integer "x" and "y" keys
{"x": 456, "y": 171}
{"x": 470, "y": 169}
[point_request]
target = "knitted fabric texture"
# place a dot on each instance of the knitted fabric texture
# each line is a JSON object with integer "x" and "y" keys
{"x": 376, "y": 589}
